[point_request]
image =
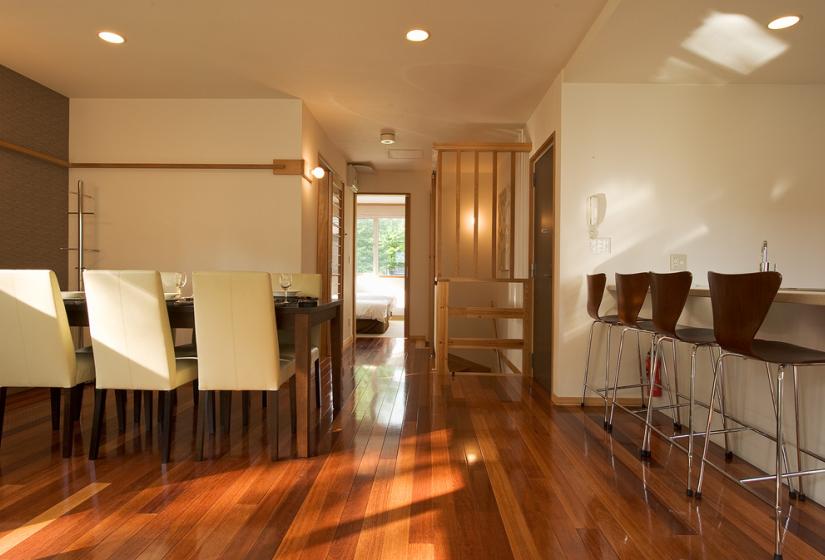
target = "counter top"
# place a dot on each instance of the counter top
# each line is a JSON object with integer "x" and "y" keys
{"x": 804, "y": 296}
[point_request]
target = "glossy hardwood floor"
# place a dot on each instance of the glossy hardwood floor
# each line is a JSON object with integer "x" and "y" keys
{"x": 416, "y": 466}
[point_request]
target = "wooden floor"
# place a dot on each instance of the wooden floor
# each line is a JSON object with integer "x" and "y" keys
{"x": 416, "y": 466}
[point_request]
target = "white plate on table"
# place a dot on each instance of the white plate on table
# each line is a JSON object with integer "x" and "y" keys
{"x": 73, "y": 295}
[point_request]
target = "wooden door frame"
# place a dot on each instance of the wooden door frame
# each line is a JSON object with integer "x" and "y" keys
{"x": 547, "y": 145}
{"x": 407, "y": 255}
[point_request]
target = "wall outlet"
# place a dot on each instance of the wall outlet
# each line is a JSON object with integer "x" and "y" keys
{"x": 600, "y": 245}
{"x": 678, "y": 262}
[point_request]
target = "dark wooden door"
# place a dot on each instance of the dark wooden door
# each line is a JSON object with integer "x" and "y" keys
{"x": 543, "y": 234}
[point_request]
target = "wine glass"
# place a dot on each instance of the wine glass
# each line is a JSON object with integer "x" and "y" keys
{"x": 286, "y": 281}
{"x": 181, "y": 281}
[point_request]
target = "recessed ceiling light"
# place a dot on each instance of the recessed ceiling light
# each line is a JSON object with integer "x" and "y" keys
{"x": 784, "y": 22}
{"x": 112, "y": 37}
{"x": 387, "y": 137}
{"x": 417, "y": 35}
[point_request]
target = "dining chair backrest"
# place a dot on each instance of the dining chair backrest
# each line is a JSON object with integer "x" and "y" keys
{"x": 237, "y": 334}
{"x": 595, "y": 294}
{"x": 631, "y": 291}
{"x": 668, "y": 296}
{"x": 36, "y": 348}
{"x": 129, "y": 324}
{"x": 740, "y": 304}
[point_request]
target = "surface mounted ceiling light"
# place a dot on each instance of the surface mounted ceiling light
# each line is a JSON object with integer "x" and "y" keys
{"x": 417, "y": 35}
{"x": 318, "y": 172}
{"x": 388, "y": 137}
{"x": 112, "y": 37}
{"x": 784, "y": 22}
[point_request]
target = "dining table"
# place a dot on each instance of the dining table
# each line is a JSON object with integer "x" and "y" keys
{"x": 289, "y": 316}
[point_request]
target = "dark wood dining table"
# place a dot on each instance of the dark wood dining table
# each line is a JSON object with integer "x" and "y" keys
{"x": 289, "y": 317}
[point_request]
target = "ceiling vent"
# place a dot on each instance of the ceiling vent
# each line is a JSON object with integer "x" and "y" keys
{"x": 399, "y": 153}
{"x": 362, "y": 166}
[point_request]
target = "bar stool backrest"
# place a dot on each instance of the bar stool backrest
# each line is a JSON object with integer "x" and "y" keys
{"x": 668, "y": 294}
{"x": 740, "y": 303}
{"x": 595, "y": 293}
{"x": 631, "y": 291}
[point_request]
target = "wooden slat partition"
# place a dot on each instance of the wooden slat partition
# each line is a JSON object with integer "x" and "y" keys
{"x": 455, "y": 261}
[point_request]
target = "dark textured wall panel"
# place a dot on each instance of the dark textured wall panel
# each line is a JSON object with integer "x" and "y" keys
{"x": 33, "y": 194}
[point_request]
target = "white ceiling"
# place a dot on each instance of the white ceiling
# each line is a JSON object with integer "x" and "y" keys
{"x": 484, "y": 69}
{"x": 703, "y": 41}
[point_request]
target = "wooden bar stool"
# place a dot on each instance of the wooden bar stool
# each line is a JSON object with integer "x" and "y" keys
{"x": 631, "y": 291}
{"x": 595, "y": 294}
{"x": 669, "y": 293}
{"x": 740, "y": 304}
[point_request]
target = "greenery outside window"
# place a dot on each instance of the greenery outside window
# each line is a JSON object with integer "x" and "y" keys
{"x": 380, "y": 246}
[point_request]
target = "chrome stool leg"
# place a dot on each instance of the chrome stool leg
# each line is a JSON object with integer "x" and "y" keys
{"x": 691, "y": 389}
{"x": 717, "y": 371}
{"x": 607, "y": 372}
{"x": 587, "y": 362}
{"x": 780, "y": 375}
{"x": 609, "y": 422}
{"x": 654, "y": 358}
{"x": 641, "y": 368}
{"x": 798, "y": 436}
{"x": 720, "y": 402}
{"x": 677, "y": 422}
{"x": 791, "y": 489}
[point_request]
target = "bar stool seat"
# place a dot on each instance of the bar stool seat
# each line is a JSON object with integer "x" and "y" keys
{"x": 776, "y": 352}
{"x": 695, "y": 335}
{"x": 612, "y": 319}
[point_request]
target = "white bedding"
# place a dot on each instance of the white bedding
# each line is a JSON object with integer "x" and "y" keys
{"x": 372, "y": 306}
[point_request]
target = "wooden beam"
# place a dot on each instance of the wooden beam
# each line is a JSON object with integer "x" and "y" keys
{"x": 278, "y": 166}
{"x": 493, "y": 147}
{"x": 485, "y": 343}
{"x": 493, "y": 231}
{"x": 475, "y": 214}
{"x": 33, "y": 153}
{"x": 512, "y": 232}
{"x": 458, "y": 214}
{"x": 488, "y": 312}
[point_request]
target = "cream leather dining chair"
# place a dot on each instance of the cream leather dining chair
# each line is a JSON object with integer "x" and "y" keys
{"x": 132, "y": 343}
{"x": 36, "y": 348}
{"x": 310, "y": 285}
{"x": 238, "y": 342}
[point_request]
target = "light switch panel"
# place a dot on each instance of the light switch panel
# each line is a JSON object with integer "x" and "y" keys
{"x": 600, "y": 246}
{"x": 678, "y": 262}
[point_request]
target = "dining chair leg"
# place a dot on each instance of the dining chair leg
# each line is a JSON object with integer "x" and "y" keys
{"x": 54, "y": 395}
{"x": 645, "y": 452}
{"x": 147, "y": 410}
{"x": 587, "y": 362}
{"x": 210, "y": 411}
{"x": 272, "y": 413}
{"x": 293, "y": 405}
{"x": 69, "y": 404}
{"x": 226, "y": 411}
{"x": 97, "y": 422}
{"x": 137, "y": 397}
{"x": 245, "y": 409}
{"x": 78, "y": 401}
{"x": 120, "y": 407}
{"x": 317, "y": 383}
{"x": 195, "y": 393}
{"x": 161, "y": 397}
{"x": 780, "y": 377}
{"x": 166, "y": 428}
{"x": 801, "y": 494}
{"x": 2, "y": 410}
{"x": 200, "y": 434}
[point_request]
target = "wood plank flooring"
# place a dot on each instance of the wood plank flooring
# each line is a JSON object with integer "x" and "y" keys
{"x": 415, "y": 466}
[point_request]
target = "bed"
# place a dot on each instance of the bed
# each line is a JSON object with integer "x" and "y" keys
{"x": 373, "y": 313}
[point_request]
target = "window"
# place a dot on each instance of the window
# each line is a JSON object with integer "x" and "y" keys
{"x": 380, "y": 246}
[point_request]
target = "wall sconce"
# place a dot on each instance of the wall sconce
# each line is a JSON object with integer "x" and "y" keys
{"x": 318, "y": 172}
{"x": 596, "y": 208}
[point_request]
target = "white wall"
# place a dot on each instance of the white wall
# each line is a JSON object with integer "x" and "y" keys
{"x": 189, "y": 220}
{"x": 709, "y": 171}
{"x": 417, "y": 184}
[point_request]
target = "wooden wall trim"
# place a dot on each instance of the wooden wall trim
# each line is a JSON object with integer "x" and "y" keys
{"x": 10, "y": 146}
